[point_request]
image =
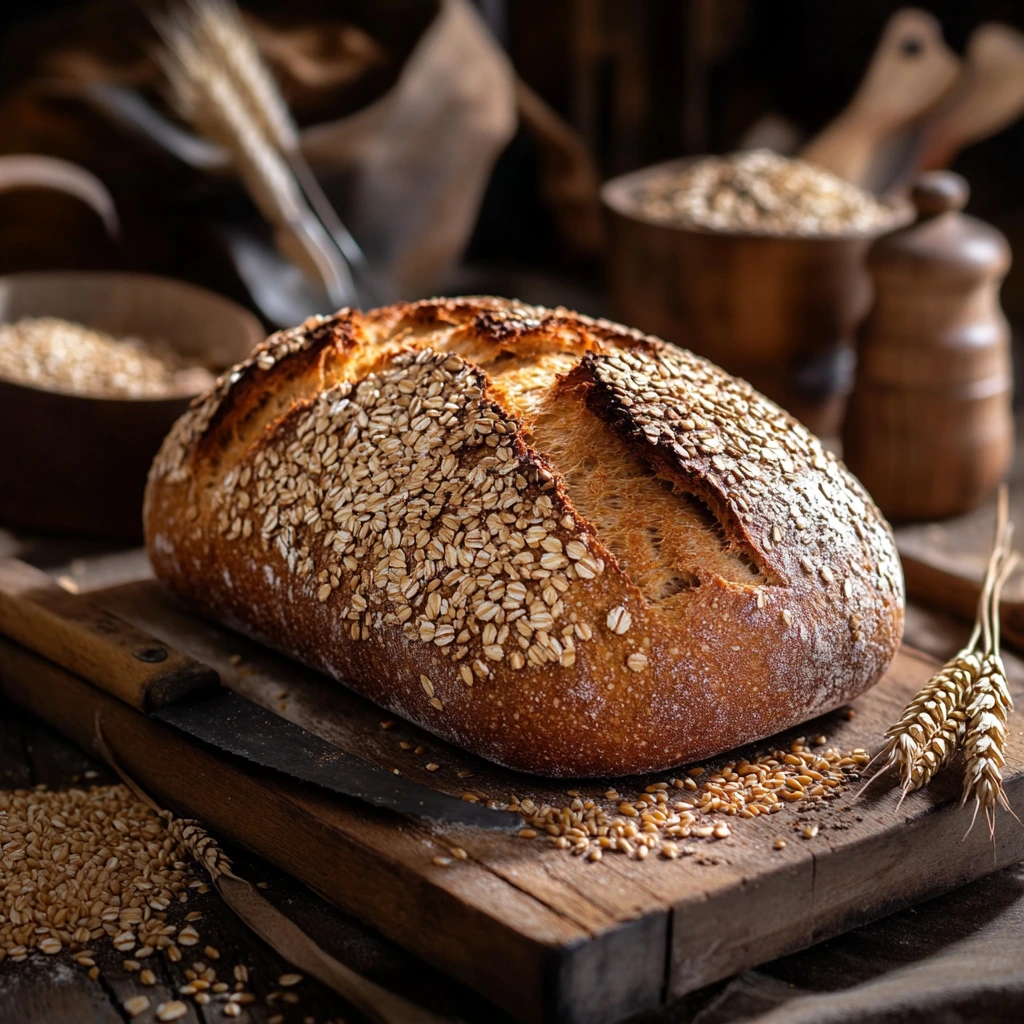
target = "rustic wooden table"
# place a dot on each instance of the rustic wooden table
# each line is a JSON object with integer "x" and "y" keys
{"x": 55, "y": 990}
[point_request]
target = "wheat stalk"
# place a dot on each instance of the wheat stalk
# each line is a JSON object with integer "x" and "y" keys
{"x": 965, "y": 705}
{"x": 989, "y": 706}
{"x": 205, "y": 93}
{"x": 929, "y": 712}
{"x": 220, "y": 31}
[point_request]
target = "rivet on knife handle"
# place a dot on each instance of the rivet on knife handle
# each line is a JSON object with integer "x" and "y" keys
{"x": 72, "y": 632}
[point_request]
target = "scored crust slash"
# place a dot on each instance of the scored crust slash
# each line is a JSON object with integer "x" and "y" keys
{"x": 565, "y": 546}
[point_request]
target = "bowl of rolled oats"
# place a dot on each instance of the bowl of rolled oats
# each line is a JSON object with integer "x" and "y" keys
{"x": 754, "y": 260}
{"x": 94, "y": 370}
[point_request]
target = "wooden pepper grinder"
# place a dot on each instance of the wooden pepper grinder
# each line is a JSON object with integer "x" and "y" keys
{"x": 929, "y": 428}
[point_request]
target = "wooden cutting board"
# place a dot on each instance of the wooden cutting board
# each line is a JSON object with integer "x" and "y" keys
{"x": 544, "y": 935}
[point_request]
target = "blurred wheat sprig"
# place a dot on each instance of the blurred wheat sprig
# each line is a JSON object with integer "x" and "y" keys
{"x": 219, "y": 27}
{"x": 220, "y": 84}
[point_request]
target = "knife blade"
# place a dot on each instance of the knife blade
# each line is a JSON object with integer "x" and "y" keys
{"x": 239, "y": 726}
{"x": 179, "y": 691}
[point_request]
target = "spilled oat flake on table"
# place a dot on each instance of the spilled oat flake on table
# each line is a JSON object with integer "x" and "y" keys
{"x": 88, "y": 869}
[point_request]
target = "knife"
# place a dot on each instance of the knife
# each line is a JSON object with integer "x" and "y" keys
{"x": 179, "y": 691}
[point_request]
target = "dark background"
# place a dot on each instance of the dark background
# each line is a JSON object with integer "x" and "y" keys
{"x": 666, "y": 78}
{"x": 647, "y": 80}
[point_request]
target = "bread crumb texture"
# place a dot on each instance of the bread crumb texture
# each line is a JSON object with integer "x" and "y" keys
{"x": 565, "y": 546}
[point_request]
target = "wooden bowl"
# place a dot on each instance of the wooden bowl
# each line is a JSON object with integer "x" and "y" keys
{"x": 778, "y": 310}
{"x": 77, "y": 464}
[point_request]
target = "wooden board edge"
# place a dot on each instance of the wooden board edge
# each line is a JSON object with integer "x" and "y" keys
{"x": 611, "y": 977}
{"x": 836, "y": 879}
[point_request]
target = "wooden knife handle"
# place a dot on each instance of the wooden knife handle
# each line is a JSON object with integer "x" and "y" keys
{"x": 72, "y": 632}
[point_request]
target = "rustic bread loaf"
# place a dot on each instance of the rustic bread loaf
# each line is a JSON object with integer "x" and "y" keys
{"x": 562, "y": 545}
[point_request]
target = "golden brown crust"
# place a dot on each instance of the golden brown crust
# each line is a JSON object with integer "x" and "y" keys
{"x": 399, "y": 498}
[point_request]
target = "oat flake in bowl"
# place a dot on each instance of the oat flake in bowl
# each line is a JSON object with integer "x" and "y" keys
{"x": 761, "y": 192}
{"x": 79, "y": 439}
{"x": 59, "y": 355}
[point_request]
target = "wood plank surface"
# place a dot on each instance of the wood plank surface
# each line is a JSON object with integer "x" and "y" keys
{"x": 542, "y": 934}
{"x": 944, "y": 562}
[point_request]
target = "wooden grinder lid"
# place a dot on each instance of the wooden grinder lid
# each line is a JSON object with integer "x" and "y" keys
{"x": 938, "y": 192}
{"x": 942, "y": 239}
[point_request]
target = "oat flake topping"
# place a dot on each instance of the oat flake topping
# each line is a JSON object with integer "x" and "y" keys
{"x": 768, "y": 468}
{"x": 407, "y": 500}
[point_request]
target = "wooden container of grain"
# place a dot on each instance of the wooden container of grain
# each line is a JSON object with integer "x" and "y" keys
{"x": 779, "y": 309}
{"x": 75, "y": 462}
{"x": 930, "y": 425}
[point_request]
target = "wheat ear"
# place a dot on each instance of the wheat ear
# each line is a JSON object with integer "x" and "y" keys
{"x": 205, "y": 94}
{"x": 220, "y": 30}
{"x": 219, "y": 27}
{"x": 988, "y": 708}
{"x": 938, "y": 751}
{"x": 186, "y": 832}
{"x": 946, "y": 729}
{"x": 928, "y": 713}
{"x": 965, "y": 703}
